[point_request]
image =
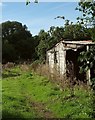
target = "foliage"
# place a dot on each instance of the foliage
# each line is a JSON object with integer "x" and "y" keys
{"x": 43, "y": 44}
{"x": 88, "y": 10}
{"x": 9, "y": 53}
{"x": 17, "y": 42}
{"x": 48, "y": 40}
{"x": 56, "y": 34}
{"x": 23, "y": 46}
{"x": 28, "y": 1}
{"x": 87, "y": 59}
{"x": 88, "y": 15}
{"x": 93, "y": 85}
{"x": 75, "y": 31}
{"x": 88, "y": 20}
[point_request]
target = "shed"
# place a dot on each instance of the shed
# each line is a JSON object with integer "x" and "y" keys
{"x": 68, "y": 51}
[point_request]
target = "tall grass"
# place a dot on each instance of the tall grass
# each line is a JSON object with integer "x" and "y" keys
{"x": 54, "y": 76}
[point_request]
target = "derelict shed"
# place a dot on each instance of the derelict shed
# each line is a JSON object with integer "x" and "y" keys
{"x": 65, "y": 54}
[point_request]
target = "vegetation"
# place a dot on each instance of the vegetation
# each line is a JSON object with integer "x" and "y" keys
{"x": 19, "y": 45}
{"x": 16, "y": 39}
{"x": 88, "y": 19}
{"x": 32, "y": 96}
{"x": 28, "y": 1}
{"x": 27, "y": 94}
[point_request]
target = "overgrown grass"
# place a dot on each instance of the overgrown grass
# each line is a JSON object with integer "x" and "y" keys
{"x": 28, "y": 95}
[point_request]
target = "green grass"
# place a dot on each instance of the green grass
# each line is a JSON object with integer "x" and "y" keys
{"x": 28, "y": 95}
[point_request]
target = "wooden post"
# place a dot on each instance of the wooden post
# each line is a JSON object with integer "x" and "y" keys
{"x": 63, "y": 62}
{"x": 88, "y": 76}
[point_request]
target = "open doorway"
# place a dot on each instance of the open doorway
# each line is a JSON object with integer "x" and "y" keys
{"x": 72, "y": 64}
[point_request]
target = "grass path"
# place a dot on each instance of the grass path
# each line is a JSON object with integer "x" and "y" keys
{"x": 27, "y": 95}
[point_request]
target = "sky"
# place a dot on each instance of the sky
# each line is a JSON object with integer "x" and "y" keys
{"x": 39, "y": 16}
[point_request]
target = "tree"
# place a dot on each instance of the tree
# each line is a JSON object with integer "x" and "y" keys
{"x": 88, "y": 16}
{"x": 88, "y": 20}
{"x": 17, "y": 41}
{"x": 43, "y": 45}
{"x": 36, "y": 43}
{"x": 13, "y": 31}
{"x": 75, "y": 31}
{"x": 9, "y": 53}
{"x": 56, "y": 34}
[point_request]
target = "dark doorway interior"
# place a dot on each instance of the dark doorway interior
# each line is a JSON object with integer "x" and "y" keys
{"x": 93, "y": 72}
{"x": 72, "y": 58}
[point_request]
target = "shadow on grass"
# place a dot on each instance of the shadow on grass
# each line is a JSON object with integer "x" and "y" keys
{"x": 93, "y": 103}
{"x": 6, "y": 75}
{"x": 11, "y": 116}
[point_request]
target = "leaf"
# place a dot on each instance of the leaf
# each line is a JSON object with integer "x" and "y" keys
{"x": 78, "y": 18}
{"x": 36, "y": 1}
{"x": 87, "y": 68}
{"x": 76, "y": 8}
{"x": 84, "y": 15}
{"x": 81, "y": 70}
{"x": 27, "y": 2}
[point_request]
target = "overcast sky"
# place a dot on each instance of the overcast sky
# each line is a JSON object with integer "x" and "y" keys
{"x": 39, "y": 16}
